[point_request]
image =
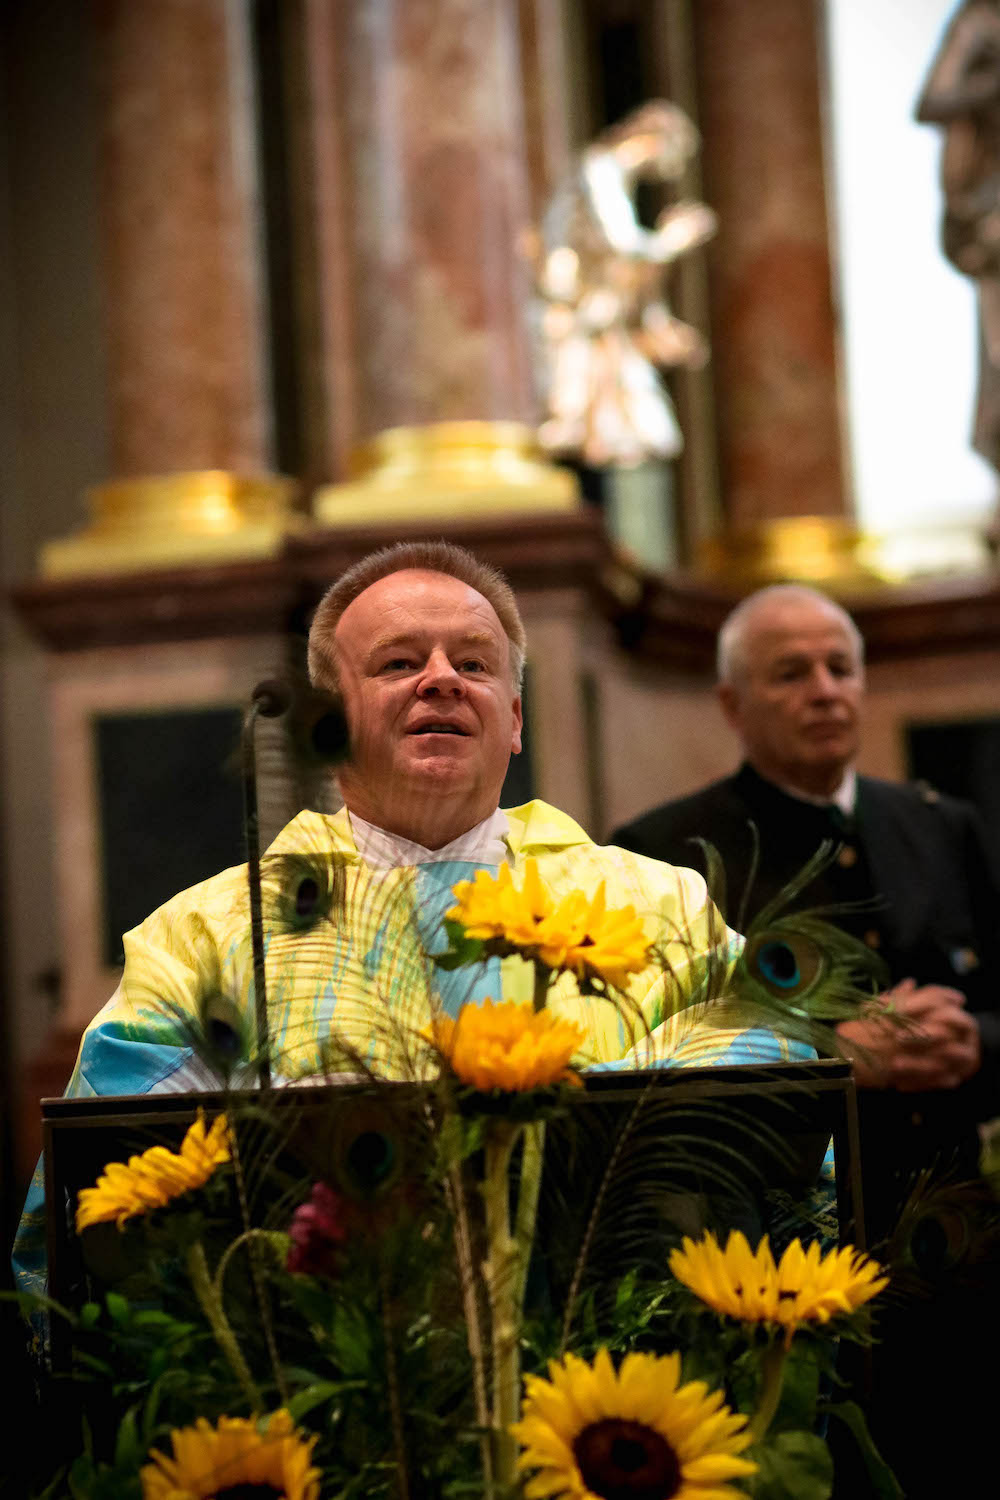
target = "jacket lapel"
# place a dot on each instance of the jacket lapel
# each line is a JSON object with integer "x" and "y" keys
{"x": 897, "y": 859}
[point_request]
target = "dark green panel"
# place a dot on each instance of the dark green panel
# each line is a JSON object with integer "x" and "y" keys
{"x": 170, "y": 809}
{"x": 962, "y": 759}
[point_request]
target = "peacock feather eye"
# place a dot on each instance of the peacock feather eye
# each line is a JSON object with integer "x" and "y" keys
{"x": 369, "y": 1151}
{"x": 298, "y": 891}
{"x": 224, "y": 1042}
{"x": 786, "y": 965}
{"x": 939, "y": 1241}
{"x": 369, "y": 1160}
{"x": 306, "y": 898}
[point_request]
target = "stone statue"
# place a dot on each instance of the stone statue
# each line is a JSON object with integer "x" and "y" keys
{"x": 604, "y": 321}
{"x": 962, "y": 94}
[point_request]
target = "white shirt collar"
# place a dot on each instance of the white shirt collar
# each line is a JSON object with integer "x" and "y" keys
{"x": 485, "y": 845}
{"x": 844, "y": 797}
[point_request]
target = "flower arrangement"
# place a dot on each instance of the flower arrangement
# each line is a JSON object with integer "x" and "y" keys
{"x": 347, "y": 1293}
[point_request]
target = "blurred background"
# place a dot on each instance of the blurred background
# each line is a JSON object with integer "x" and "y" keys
{"x": 277, "y": 285}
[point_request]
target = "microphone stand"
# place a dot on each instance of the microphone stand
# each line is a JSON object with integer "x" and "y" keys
{"x": 269, "y": 700}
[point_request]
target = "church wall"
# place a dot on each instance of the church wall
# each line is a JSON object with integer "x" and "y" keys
{"x": 52, "y": 438}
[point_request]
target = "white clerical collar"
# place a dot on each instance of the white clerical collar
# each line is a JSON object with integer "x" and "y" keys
{"x": 484, "y": 845}
{"x": 844, "y": 797}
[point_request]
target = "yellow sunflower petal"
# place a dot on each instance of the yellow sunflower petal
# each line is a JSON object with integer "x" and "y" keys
{"x": 506, "y": 1046}
{"x": 155, "y": 1178}
{"x": 805, "y": 1286}
{"x": 579, "y": 935}
{"x": 235, "y": 1452}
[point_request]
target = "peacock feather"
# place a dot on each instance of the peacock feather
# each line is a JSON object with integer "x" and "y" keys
{"x": 797, "y": 972}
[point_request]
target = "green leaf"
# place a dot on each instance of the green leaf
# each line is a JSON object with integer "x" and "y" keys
{"x": 128, "y": 1449}
{"x": 81, "y": 1477}
{"x": 352, "y": 1338}
{"x": 793, "y": 1466}
{"x": 119, "y": 1308}
{"x": 93, "y": 1363}
{"x": 458, "y": 1137}
{"x": 313, "y": 1395}
{"x": 625, "y": 1294}
{"x": 461, "y": 948}
{"x": 153, "y": 1317}
{"x": 89, "y": 1314}
{"x": 30, "y": 1303}
{"x": 885, "y": 1485}
{"x": 799, "y": 1390}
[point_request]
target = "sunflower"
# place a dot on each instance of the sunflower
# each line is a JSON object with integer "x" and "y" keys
{"x": 507, "y": 1046}
{"x": 234, "y": 1458}
{"x": 493, "y": 908}
{"x": 579, "y": 935}
{"x": 609, "y": 945}
{"x": 593, "y": 1434}
{"x": 154, "y": 1178}
{"x": 805, "y": 1286}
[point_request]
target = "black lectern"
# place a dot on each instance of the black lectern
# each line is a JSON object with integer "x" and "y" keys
{"x": 740, "y": 1134}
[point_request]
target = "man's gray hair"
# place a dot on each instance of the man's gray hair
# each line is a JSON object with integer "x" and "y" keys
{"x": 731, "y": 661}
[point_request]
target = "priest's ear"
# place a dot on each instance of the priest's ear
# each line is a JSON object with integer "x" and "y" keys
{"x": 516, "y": 728}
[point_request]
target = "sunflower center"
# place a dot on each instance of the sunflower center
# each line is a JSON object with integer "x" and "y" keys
{"x": 249, "y": 1492}
{"x": 622, "y": 1460}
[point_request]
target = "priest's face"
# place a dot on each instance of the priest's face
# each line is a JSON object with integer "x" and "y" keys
{"x": 424, "y": 667}
{"x": 795, "y": 697}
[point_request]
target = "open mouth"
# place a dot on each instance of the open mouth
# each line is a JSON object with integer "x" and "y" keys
{"x": 439, "y": 727}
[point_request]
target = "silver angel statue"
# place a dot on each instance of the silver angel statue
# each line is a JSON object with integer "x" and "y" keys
{"x": 962, "y": 96}
{"x": 605, "y": 325}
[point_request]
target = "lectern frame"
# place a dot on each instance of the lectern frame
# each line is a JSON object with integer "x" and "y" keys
{"x": 815, "y": 1101}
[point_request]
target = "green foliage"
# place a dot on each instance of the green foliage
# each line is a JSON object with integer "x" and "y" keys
{"x": 372, "y": 1341}
{"x": 793, "y": 1466}
{"x": 807, "y": 1362}
{"x": 461, "y": 949}
{"x": 883, "y": 1484}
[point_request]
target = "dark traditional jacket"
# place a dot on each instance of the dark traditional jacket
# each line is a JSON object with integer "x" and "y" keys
{"x": 913, "y": 867}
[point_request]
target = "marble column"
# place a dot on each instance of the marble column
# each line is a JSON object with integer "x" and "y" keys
{"x": 422, "y": 198}
{"x": 773, "y": 325}
{"x": 186, "y": 333}
{"x": 182, "y": 252}
{"x": 550, "y": 108}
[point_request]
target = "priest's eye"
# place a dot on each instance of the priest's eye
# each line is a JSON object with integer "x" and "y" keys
{"x": 472, "y": 666}
{"x": 396, "y": 664}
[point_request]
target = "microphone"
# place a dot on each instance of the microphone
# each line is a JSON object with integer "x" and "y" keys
{"x": 318, "y": 727}
{"x": 330, "y": 735}
{"x": 269, "y": 700}
{"x": 272, "y": 698}
{"x": 318, "y": 733}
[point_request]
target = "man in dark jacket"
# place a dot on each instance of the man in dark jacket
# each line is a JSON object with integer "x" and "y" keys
{"x": 910, "y": 877}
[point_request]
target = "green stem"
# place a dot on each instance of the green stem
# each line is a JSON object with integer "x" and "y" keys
{"x": 392, "y": 1383}
{"x": 543, "y": 978}
{"x": 527, "y": 1204}
{"x": 256, "y": 1274}
{"x": 455, "y": 1190}
{"x": 211, "y": 1305}
{"x": 500, "y": 1272}
{"x": 246, "y": 1238}
{"x": 772, "y": 1375}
